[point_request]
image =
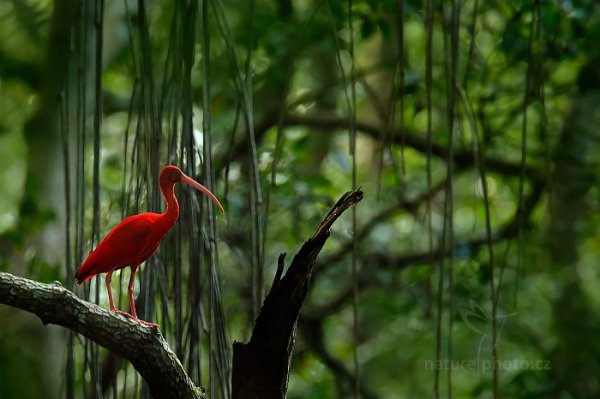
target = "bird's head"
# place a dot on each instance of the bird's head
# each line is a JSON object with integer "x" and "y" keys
{"x": 171, "y": 174}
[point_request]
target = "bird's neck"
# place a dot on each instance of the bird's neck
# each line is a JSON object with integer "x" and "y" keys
{"x": 172, "y": 212}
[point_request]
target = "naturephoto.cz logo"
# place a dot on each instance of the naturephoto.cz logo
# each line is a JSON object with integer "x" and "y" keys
{"x": 485, "y": 365}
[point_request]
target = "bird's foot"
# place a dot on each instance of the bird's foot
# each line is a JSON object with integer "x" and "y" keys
{"x": 147, "y": 323}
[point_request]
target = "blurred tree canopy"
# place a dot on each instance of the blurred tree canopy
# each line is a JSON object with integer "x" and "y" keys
{"x": 470, "y": 268}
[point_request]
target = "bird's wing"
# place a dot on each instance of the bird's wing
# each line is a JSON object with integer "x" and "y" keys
{"x": 128, "y": 244}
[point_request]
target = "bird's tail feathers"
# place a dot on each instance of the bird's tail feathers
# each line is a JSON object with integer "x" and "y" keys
{"x": 81, "y": 276}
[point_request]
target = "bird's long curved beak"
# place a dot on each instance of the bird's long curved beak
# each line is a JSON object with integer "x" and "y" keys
{"x": 191, "y": 182}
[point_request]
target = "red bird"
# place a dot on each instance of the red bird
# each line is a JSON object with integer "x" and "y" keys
{"x": 133, "y": 240}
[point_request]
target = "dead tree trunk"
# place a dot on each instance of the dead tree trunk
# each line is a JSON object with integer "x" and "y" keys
{"x": 261, "y": 366}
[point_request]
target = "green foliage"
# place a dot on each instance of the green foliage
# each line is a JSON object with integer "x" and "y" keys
{"x": 525, "y": 70}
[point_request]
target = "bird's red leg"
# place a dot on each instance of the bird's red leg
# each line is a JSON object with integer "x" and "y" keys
{"x": 132, "y": 300}
{"x": 110, "y": 298}
{"x": 130, "y": 290}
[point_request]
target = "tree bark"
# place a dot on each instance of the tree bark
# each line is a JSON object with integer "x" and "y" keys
{"x": 261, "y": 366}
{"x": 143, "y": 346}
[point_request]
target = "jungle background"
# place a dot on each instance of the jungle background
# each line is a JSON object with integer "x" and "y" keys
{"x": 471, "y": 127}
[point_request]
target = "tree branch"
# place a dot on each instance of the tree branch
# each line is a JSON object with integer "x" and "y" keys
{"x": 463, "y": 158}
{"x": 377, "y": 259}
{"x": 261, "y": 366}
{"x": 416, "y": 140}
{"x": 143, "y": 346}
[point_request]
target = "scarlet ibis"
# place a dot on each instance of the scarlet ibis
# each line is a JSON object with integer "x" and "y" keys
{"x": 133, "y": 240}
